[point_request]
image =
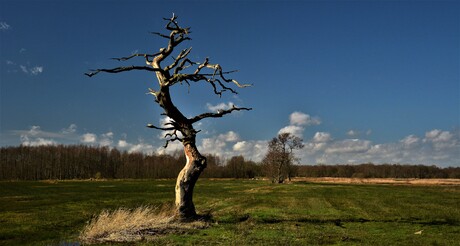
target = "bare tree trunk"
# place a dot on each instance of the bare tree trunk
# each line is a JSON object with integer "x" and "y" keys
{"x": 280, "y": 175}
{"x": 186, "y": 180}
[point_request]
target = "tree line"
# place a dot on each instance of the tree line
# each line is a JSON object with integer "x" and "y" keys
{"x": 86, "y": 162}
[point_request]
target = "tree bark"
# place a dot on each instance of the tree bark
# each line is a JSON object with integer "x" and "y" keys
{"x": 186, "y": 180}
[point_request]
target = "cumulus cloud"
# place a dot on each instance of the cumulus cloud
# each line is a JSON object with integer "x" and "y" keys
{"x": 219, "y": 144}
{"x": 436, "y": 147}
{"x": 254, "y": 150}
{"x": 140, "y": 147}
{"x": 229, "y": 144}
{"x": 88, "y": 138}
{"x": 106, "y": 139}
{"x": 349, "y": 146}
{"x": 35, "y": 137}
{"x": 302, "y": 119}
{"x": 292, "y": 129}
{"x": 25, "y": 140}
{"x": 352, "y": 133}
{"x": 123, "y": 144}
{"x": 36, "y": 70}
{"x": 173, "y": 147}
{"x": 298, "y": 121}
{"x": 230, "y": 136}
{"x": 240, "y": 146}
{"x": 322, "y": 137}
{"x": 440, "y": 139}
{"x": 220, "y": 106}
{"x": 410, "y": 141}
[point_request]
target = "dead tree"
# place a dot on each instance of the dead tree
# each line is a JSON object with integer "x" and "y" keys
{"x": 180, "y": 128}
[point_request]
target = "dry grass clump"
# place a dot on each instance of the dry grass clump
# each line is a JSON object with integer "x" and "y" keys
{"x": 128, "y": 225}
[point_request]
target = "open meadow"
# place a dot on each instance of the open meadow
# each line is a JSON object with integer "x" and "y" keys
{"x": 244, "y": 212}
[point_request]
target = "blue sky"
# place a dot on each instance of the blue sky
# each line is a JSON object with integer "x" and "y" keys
{"x": 359, "y": 81}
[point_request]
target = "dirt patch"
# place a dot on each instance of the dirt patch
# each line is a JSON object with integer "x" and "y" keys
{"x": 380, "y": 181}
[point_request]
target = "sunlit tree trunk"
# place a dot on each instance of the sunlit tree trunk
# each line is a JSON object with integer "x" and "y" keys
{"x": 186, "y": 180}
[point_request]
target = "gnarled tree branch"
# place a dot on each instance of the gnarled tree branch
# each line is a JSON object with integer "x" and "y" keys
{"x": 219, "y": 114}
{"x": 121, "y": 69}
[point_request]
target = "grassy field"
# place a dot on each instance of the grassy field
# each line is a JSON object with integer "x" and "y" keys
{"x": 244, "y": 212}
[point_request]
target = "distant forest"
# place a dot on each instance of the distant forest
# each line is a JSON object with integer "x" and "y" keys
{"x": 86, "y": 162}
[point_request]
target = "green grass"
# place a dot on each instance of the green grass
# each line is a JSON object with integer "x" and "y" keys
{"x": 245, "y": 212}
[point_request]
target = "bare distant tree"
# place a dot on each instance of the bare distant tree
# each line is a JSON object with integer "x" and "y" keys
{"x": 278, "y": 162}
{"x": 181, "y": 70}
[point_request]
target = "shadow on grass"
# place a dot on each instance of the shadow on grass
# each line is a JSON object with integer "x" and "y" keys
{"x": 337, "y": 222}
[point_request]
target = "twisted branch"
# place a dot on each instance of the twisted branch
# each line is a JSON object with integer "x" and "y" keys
{"x": 219, "y": 114}
{"x": 121, "y": 69}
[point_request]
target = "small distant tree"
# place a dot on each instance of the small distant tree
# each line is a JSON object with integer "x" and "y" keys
{"x": 175, "y": 70}
{"x": 279, "y": 160}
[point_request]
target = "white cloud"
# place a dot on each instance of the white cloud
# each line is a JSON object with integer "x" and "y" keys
{"x": 321, "y": 137}
{"x": 251, "y": 150}
{"x": 69, "y": 130}
{"x": 298, "y": 121}
{"x": 349, "y": 146}
{"x": 106, "y": 139}
{"x": 25, "y": 140}
{"x": 352, "y": 133}
{"x": 34, "y": 130}
{"x": 36, "y": 70}
{"x": 240, "y": 146}
{"x": 222, "y": 146}
{"x": 35, "y": 137}
{"x": 435, "y": 147}
{"x": 4, "y": 26}
{"x": 165, "y": 121}
{"x": 443, "y": 143}
{"x": 31, "y": 70}
{"x": 172, "y": 148}
{"x": 220, "y": 106}
{"x": 213, "y": 146}
{"x": 140, "y": 147}
{"x": 230, "y": 136}
{"x": 302, "y": 119}
{"x": 410, "y": 141}
{"x": 123, "y": 144}
{"x": 294, "y": 130}
{"x": 88, "y": 138}
{"x": 438, "y": 136}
